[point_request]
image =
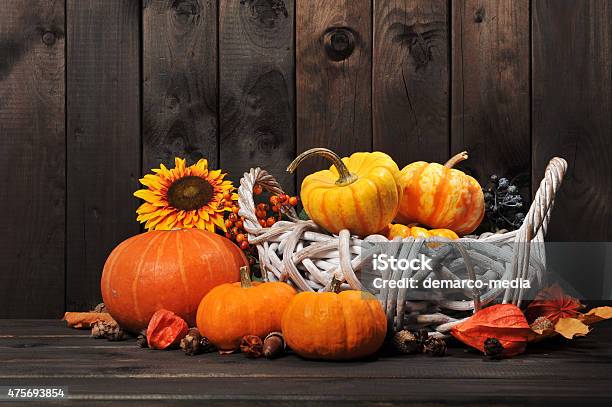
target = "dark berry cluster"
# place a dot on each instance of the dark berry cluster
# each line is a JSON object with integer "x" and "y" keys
{"x": 503, "y": 204}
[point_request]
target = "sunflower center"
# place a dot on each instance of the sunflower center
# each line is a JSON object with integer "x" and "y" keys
{"x": 190, "y": 193}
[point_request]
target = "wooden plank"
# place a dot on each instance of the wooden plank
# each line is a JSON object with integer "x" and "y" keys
{"x": 572, "y": 101}
{"x": 32, "y": 158}
{"x": 333, "y": 74}
{"x": 179, "y": 82}
{"x": 572, "y": 105}
{"x": 490, "y": 87}
{"x": 103, "y": 120}
{"x": 342, "y": 391}
{"x": 75, "y": 355}
{"x": 256, "y": 85}
{"x": 122, "y": 371}
{"x": 410, "y": 80}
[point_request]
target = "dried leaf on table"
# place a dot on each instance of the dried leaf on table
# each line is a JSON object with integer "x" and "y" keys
{"x": 85, "y": 320}
{"x": 504, "y": 322}
{"x": 571, "y": 328}
{"x": 553, "y": 304}
{"x": 542, "y": 329}
{"x": 596, "y": 315}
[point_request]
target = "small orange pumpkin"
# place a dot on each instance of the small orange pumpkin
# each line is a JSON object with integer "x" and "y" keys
{"x": 403, "y": 231}
{"x": 439, "y": 196}
{"x": 171, "y": 269}
{"x": 231, "y": 311}
{"x": 334, "y": 326}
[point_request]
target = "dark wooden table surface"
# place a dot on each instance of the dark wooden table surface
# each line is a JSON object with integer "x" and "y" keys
{"x": 98, "y": 372}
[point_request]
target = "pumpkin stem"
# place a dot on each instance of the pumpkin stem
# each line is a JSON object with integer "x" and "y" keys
{"x": 245, "y": 277}
{"x": 335, "y": 284}
{"x": 456, "y": 159}
{"x": 345, "y": 178}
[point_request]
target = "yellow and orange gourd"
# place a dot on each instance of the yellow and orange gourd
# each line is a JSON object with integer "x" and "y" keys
{"x": 439, "y": 196}
{"x": 359, "y": 193}
{"x": 230, "y": 311}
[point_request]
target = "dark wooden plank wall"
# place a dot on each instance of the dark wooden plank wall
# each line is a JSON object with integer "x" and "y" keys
{"x": 252, "y": 82}
{"x": 32, "y": 158}
{"x": 102, "y": 138}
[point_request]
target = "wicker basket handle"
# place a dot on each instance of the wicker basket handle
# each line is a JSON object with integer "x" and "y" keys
{"x": 544, "y": 200}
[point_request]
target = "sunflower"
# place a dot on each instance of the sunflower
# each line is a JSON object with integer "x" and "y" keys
{"x": 185, "y": 197}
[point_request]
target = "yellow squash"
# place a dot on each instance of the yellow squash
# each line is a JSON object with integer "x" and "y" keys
{"x": 439, "y": 196}
{"x": 359, "y": 193}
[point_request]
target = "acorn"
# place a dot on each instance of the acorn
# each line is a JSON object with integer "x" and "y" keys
{"x": 274, "y": 345}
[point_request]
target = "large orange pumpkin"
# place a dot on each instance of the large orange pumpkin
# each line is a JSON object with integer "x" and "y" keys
{"x": 231, "y": 311}
{"x": 334, "y": 326}
{"x": 170, "y": 269}
{"x": 439, "y": 196}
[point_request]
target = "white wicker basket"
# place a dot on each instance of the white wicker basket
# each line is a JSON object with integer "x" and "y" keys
{"x": 307, "y": 257}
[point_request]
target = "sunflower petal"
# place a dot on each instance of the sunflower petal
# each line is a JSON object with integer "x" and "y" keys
{"x": 214, "y": 174}
{"x": 202, "y": 164}
{"x": 218, "y": 220}
{"x": 200, "y": 224}
{"x": 147, "y": 195}
{"x": 203, "y": 212}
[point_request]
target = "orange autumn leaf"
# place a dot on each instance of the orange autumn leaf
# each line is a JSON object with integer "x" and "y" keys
{"x": 596, "y": 315}
{"x": 84, "y": 320}
{"x": 553, "y": 304}
{"x": 571, "y": 327}
{"x": 505, "y": 322}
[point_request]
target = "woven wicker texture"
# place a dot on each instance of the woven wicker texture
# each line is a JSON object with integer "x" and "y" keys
{"x": 306, "y": 256}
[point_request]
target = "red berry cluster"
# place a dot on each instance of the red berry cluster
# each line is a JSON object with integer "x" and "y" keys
{"x": 267, "y": 215}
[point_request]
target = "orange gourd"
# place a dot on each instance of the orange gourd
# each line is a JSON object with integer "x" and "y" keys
{"x": 359, "y": 193}
{"x": 334, "y": 326}
{"x": 166, "y": 269}
{"x": 231, "y": 311}
{"x": 439, "y": 196}
{"x": 403, "y": 231}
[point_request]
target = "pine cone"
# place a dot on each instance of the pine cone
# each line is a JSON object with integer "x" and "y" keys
{"x": 101, "y": 329}
{"x": 422, "y": 335}
{"x": 206, "y": 346}
{"x": 191, "y": 342}
{"x": 435, "y": 347}
{"x": 116, "y": 334}
{"x": 142, "y": 340}
{"x": 99, "y": 308}
{"x": 252, "y": 346}
{"x": 406, "y": 342}
{"x": 493, "y": 348}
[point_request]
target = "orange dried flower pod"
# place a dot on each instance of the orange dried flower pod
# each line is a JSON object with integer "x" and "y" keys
{"x": 505, "y": 322}
{"x": 165, "y": 330}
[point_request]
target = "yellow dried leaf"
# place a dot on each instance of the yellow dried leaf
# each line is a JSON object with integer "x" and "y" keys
{"x": 571, "y": 327}
{"x": 596, "y": 315}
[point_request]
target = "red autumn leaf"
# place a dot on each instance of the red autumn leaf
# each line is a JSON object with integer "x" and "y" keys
{"x": 553, "y": 304}
{"x": 505, "y": 322}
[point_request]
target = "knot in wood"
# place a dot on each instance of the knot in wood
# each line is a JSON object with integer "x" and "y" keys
{"x": 479, "y": 15}
{"x": 339, "y": 43}
{"x": 49, "y": 38}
